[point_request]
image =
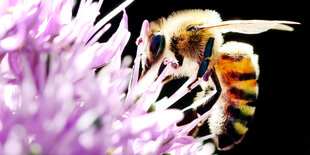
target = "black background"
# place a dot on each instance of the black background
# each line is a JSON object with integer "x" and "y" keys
{"x": 282, "y": 120}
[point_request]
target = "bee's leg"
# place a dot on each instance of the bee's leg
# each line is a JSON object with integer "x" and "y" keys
{"x": 205, "y": 62}
{"x": 212, "y": 100}
{"x": 167, "y": 79}
{"x": 189, "y": 87}
{"x": 191, "y": 114}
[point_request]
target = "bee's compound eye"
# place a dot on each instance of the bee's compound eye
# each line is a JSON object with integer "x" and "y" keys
{"x": 157, "y": 45}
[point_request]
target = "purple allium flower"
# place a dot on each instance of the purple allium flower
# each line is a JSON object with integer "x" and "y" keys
{"x": 53, "y": 102}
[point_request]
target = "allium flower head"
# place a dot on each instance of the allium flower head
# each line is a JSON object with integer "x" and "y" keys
{"x": 53, "y": 102}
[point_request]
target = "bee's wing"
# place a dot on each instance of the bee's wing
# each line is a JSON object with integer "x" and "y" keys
{"x": 250, "y": 26}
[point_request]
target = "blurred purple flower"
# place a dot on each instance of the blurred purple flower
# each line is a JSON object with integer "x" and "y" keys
{"x": 51, "y": 100}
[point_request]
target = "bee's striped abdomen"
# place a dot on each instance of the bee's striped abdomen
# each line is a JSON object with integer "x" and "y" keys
{"x": 237, "y": 70}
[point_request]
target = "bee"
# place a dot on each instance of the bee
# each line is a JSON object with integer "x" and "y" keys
{"x": 193, "y": 39}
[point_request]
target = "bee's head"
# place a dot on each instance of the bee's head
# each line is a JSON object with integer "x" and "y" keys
{"x": 180, "y": 37}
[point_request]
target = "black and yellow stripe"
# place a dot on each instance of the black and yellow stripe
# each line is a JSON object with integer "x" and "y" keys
{"x": 238, "y": 79}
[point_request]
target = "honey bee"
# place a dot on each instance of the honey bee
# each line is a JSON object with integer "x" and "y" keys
{"x": 193, "y": 39}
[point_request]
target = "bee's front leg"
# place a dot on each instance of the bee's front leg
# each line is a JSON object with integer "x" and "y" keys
{"x": 204, "y": 63}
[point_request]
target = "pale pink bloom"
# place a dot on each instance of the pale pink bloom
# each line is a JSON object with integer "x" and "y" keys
{"x": 53, "y": 102}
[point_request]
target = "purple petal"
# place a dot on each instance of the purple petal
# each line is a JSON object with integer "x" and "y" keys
{"x": 16, "y": 64}
{"x": 151, "y": 94}
{"x": 1, "y": 56}
{"x": 15, "y": 41}
{"x": 157, "y": 120}
{"x": 143, "y": 33}
{"x": 142, "y": 39}
{"x": 59, "y": 105}
{"x": 116, "y": 43}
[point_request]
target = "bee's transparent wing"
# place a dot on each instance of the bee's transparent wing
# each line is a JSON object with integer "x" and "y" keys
{"x": 250, "y": 26}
